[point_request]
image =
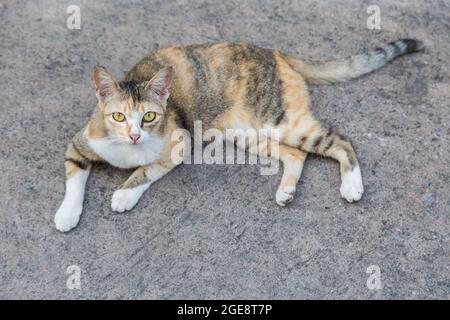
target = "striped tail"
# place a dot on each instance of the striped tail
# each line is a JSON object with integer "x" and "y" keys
{"x": 354, "y": 66}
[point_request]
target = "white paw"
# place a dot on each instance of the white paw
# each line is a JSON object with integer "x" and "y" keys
{"x": 124, "y": 199}
{"x": 284, "y": 195}
{"x": 67, "y": 217}
{"x": 352, "y": 187}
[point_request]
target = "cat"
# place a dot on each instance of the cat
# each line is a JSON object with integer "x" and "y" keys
{"x": 226, "y": 86}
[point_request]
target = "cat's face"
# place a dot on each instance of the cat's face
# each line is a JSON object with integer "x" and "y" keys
{"x": 132, "y": 112}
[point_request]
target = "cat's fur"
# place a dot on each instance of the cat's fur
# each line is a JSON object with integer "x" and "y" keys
{"x": 225, "y": 86}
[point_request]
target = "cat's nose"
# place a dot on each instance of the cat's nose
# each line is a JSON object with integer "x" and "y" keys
{"x": 135, "y": 137}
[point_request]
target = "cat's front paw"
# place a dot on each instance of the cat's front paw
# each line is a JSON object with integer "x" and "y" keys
{"x": 284, "y": 195}
{"x": 124, "y": 199}
{"x": 67, "y": 217}
{"x": 352, "y": 187}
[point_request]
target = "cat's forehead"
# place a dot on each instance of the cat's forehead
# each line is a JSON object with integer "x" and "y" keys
{"x": 135, "y": 97}
{"x": 132, "y": 90}
{"x": 127, "y": 103}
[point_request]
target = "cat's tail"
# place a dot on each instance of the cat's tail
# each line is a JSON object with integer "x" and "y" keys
{"x": 354, "y": 66}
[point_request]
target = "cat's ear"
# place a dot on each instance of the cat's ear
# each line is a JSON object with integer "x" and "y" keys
{"x": 105, "y": 85}
{"x": 160, "y": 83}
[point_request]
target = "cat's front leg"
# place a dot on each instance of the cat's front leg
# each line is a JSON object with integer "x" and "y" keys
{"x": 128, "y": 195}
{"x": 77, "y": 173}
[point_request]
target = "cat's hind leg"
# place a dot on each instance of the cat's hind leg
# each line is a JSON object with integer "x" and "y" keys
{"x": 293, "y": 160}
{"x": 300, "y": 129}
{"x": 323, "y": 141}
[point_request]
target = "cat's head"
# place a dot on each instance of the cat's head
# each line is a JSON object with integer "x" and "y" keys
{"x": 132, "y": 112}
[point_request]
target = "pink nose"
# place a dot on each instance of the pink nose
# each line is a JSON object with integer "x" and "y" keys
{"x": 135, "y": 137}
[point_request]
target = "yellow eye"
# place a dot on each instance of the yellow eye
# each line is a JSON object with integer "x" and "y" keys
{"x": 119, "y": 117}
{"x": 149, "y": 116}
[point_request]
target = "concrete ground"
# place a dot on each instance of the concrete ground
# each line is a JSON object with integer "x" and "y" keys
{"x": 215, "y": 231}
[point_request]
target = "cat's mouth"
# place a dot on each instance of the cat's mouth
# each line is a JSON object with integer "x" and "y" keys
{"x": 134, "y": 143}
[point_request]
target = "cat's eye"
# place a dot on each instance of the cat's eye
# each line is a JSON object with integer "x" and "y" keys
{"x": 118, "y": 116}
{"x": 149, "y": 117}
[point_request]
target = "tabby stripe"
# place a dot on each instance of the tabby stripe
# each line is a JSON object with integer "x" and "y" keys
{"x": 80, "y": 164}
{"x": 317, "y": 142}
{"x": 181, "y": 117}
{"x": 76, "y": 149}
{"x": 381, "y": 51}
{"x": 280, "y": 117}
{"x": 328, "y": 145}
{"x": 397, "y": 49}
{"x": 302, "y": 141}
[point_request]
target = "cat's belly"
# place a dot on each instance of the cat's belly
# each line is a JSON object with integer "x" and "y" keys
{"x": 127, "y": 156}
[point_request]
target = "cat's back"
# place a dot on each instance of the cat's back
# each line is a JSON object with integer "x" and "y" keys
{"x": 200, "y": 60}
{"x": 208, "y": 78}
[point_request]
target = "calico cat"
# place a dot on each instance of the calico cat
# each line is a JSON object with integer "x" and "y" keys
{"x": 226, "y": 86}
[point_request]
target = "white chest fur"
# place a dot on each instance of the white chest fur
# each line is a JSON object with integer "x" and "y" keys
{"x": 123, "y": 155}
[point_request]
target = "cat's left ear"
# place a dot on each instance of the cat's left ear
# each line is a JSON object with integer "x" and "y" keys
{"x": 160, "y": 83}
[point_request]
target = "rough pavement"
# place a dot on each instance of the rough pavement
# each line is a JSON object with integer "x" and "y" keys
{"x": 215, "y": 231}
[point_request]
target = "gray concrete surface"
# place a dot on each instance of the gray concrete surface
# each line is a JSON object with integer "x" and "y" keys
{"x": 215, "y": 231}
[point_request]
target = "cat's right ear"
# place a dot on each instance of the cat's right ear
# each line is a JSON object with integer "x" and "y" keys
{"x": 105, "y": 85}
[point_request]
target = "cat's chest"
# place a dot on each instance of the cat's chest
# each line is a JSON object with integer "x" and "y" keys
{"x": 127, "y": 156}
